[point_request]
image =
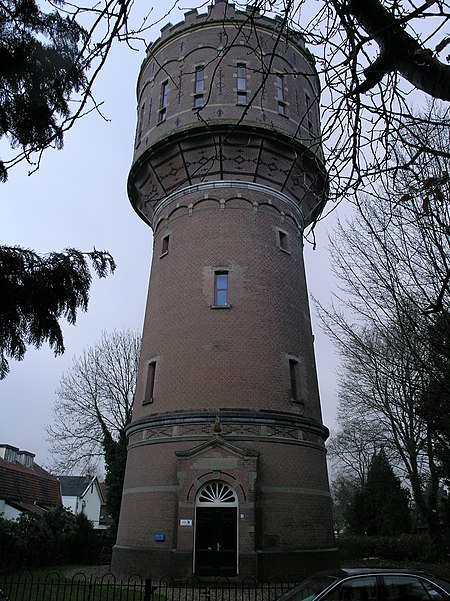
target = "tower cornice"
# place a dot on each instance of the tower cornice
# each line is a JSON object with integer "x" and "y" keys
{"x": 174, "y": 163}
{"x": 229, "y": 417}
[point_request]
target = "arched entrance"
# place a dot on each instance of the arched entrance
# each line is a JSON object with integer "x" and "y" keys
{"x": 216, "y": 530}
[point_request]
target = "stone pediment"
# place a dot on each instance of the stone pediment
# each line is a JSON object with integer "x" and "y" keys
{"x": 218, "y": 443}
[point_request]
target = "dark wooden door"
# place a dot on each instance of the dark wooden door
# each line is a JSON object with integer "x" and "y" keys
{"x": 216, "y": 541}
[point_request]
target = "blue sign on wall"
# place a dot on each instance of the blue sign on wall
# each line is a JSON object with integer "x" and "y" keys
{"x": 160, "y": 536}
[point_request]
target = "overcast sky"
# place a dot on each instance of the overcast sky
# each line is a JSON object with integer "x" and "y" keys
{"x": 78, "y": 199}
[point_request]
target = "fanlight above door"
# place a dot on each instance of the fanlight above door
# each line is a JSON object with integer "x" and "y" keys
{"x": 217, "y": 493}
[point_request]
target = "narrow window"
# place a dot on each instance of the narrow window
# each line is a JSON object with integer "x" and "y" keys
{"x": 199, "y": 87}
{"x": 150, "y": 383}
{"x": 241, "y": 83}
{"x": 281, "y": 95}
{"x": 149, "y": 112}
{"x": 199, "y": 80}
{"x": 309, "y": 122}
{"x": 141, "y": 121}
{"x": 221, "y": 288}
{"x": 283, "y": 241}
{"x": 293, "y": 374}
{"x": 163, "y": 102}
{"x": 165, "y": 245}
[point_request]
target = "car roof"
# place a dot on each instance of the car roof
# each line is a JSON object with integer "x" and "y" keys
{"x": 356, "y": 571}
{"x": 348, "y": 572}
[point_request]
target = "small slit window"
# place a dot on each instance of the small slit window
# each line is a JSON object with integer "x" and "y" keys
{"x": 293, "y": 375}
{"x": 241, "y": 83}
{"x": 150, "y": 383}
{"x": 141, "y": 121}
{"x": 162, "y": 115}
{"x": 221, "y": 288}
{"x": 165, "y": 245}
{"x": 199, "y": 86}
{"x": 309, "y": 121}
{"x": 281, "y": 96}
{"x": 283, "y": 241}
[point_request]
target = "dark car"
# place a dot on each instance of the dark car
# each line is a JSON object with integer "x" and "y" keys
{"x": 370, "y": 585}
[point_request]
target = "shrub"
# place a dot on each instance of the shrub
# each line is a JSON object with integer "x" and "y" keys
{"x": 412, "y": 547}
{"x": 55, "y": 538}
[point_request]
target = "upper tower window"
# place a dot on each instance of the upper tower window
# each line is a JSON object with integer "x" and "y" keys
{"x": 281, "y": 95}
{"x": 199, "y": 88}
{"x": 309, "y": 120}
{"x": 163, "y": 102}
{"x": 241, "y": 83}
{"x": 141, "y": 121}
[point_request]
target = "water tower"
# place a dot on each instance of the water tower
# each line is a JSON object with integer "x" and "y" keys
{"x": 226, "y": 472}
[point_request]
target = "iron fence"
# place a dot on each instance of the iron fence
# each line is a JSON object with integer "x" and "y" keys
{"x": 81, "y": 587}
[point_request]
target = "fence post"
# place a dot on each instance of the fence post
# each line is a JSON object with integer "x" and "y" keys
{"x": 148, "y": 590}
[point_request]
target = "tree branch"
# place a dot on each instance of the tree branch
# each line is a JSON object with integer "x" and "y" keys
{"x": 399, "y": 51}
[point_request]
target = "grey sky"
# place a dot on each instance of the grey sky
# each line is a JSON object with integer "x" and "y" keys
{"x": 78, "y": 199}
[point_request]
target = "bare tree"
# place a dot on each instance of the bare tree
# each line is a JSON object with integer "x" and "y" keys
{"x": 378, "y": 61}
{"x": 384, "y": 383}
{"x": 375, "y": 59}
{"x": 390, "y": 318}
{"x": 352, "y": 447}
{"x": 94, "y": 396}
{"x": 94, "y": 406}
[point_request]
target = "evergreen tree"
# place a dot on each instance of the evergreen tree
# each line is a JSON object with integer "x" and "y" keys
{"x": 41, "y": 68}
{"x": 381, "y": 506}
{"x": 37, "y": 290}
{"x": 115, "y": 462}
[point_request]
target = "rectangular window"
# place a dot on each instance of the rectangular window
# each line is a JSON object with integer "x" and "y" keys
{"x": 165, "y": 246}
{"x": 199, "y": 101}
{"x": 141, "y": 121}
{"x": 199, "y": 80}
{"x": 281, "y": 95}
{"x": 163, "y": 101}
{"x": 283, "y": 241}
{"x": 280, "y": 87}
{"x": 241, "y": 83}
{"x": 241, "y": 98}
{"x": 293, "y": 374}
{"x": 10, "y": 455}
{"x": 309, "y": 122}
{"x": 150, "y": 383}
{"x": 221, "y": 288}
{"x": 199, "y": 87}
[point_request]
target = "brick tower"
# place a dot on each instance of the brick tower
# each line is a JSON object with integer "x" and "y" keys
{"x": 226, "y": 471}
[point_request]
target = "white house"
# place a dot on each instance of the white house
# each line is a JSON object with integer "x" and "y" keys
{"x": 83, "y": 494}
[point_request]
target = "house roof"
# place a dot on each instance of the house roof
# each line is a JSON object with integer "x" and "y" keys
{"x": 29, "y": 485}
{"x": 29, "y": 507}
{"x": 75, "y": 486}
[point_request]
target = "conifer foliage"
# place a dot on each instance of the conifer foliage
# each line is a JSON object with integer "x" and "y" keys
{"x": 40, "y": 69}
{"x": 37, "y": 290}
{"x": 381, "y": 506}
